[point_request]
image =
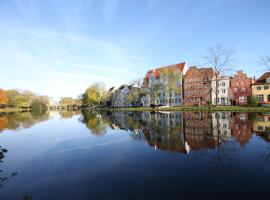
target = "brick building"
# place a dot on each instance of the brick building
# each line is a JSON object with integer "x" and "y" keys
{"x": 240, "y": 89}
{"x": 197, "y": 86}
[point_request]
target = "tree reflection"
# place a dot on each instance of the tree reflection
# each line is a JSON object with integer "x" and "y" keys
{"x": 95, "y": 122}
{"x": 17, "y": 120}
{"x": 4, "y": 178}
{"x": 68, "y": 114}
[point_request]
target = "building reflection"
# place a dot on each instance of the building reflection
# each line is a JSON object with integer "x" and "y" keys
{"x": 182, "y": 131}
{"x": 241, "y": 127}
{"x": 261, "y": 125}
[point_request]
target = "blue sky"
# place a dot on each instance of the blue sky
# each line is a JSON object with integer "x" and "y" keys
{"x": 60, "y": 47}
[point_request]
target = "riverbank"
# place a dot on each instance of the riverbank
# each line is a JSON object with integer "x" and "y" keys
{"x": 185, "y": 108}
{"x": 9, "y": 110}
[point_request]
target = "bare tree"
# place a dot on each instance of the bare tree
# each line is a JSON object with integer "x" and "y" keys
{"x": 265, "y": 61}
{"x": 136, "y": 82}
{"x": 220, "y": 59}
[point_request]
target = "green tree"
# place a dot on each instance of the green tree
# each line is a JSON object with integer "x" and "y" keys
{"x": 38, "y": 106}
{"x": 20, "y": 102}
{"x": 252, "y": 101}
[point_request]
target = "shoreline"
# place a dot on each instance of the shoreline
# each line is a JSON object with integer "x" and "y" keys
{"x": 185, "y": 108}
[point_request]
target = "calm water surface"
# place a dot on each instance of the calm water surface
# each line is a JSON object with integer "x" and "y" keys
{"x": 134, "y": 155}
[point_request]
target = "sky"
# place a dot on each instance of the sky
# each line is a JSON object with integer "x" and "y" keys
{"x": 60, "y": 47}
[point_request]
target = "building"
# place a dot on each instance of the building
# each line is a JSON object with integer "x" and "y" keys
{"x": 120, "y": 96}
{"x": 222, "y": 92}
{"x": 221, "y": 126}
{"x": 261, "y": 89}
{"x": 163, "y": 86}
{"x": 240, "y": 89}
{"x": 197, "y": 86}
{"x": 261, "y": 126}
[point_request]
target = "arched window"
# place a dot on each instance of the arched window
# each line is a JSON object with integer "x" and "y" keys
{"x": 268, "y": 98}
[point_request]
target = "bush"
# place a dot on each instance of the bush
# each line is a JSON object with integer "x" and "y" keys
{"x": 252, "y": 101}
{"x": 38, "y": 106}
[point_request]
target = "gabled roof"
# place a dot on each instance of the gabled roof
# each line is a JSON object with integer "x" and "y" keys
{"x": 156, "y": 72}
{"x": 262, "y": 79}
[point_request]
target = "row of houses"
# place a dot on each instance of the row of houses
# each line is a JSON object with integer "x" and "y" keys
{"x": 170, "y": 86}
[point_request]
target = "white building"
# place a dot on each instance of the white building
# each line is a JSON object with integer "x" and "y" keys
{"x": 163, "y": 86}
{"x": 120, "y": 98}
{"x": 222, "y": 91}
{"x": 221, "y": 126}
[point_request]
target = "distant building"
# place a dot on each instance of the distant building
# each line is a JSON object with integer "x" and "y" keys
{"x": 240, "y": 89}
{"x": 197, "y": 86}
{"x": 222, "y": 91}
{"x": 261, "y": 89}
{"x": 163, "y": 86}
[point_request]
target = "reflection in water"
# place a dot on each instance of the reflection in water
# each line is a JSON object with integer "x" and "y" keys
{"x": 182, "y": 131}
{"x": 4, "y": 178}
{"x": 68, "y": 114}
{"x": 18, "y": 120}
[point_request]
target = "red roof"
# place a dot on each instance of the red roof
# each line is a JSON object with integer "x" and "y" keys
{"x": 262, "y": 79}
{"x": 158, "y": 71}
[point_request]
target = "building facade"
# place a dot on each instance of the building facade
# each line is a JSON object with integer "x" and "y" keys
{"x": 120, "y": 97}
{"x": 163, "y": 86}
{"x": 222, "y": 91}
{"x": 197, "y": 86}
{"x": 240, "y": 89}
{"x": 261, "y": 89}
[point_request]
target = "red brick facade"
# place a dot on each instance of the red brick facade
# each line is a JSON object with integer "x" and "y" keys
{"x": 240, "y": 89}
{"x": 197, "y": 86}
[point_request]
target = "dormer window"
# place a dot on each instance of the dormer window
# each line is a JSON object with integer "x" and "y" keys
{"x": 268, "y": 80}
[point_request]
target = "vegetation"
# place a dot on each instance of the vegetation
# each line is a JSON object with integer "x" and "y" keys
{"x": 66, "y": 101}
{"x": 252, "y": 101}
{"x": 95, "y": 95}
{"x": 38, "y": 107}
{"x": 20, "y": 102}
{"x": 3, "y": 99}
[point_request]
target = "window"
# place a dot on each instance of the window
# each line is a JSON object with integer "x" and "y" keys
{"x": 259, "y": 88}
{"x": 223, "y": 84}
{"x": 244, "y": 89}
{"x": 268, "y": 97}
{"x": 235, "y": 90}
{"x": 260, "y": 98}
{"x": 223, "y": 91}
{"x": 266, "y": 87}
{"x": 268, "y": 80}
{"x": 242, "y": 99}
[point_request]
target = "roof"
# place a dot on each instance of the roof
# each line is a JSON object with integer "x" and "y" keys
{"x": 262, "y": 79}
{"x": 156, "y": 72}
{"x": 202, "y": 71}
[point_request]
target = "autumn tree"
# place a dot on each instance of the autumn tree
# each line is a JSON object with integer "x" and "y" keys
{"x": 3, "y": 99}
{"x": 172, "y": 83}
{"x": 96, "y": 94}
{"x": 65, "y": 101}
{"x": 20, "y": 102}
{"x": 133, "y": 96}
{"x": 220, "y": 59}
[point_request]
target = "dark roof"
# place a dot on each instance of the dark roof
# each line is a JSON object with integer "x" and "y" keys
{"x": 262, "y": 79}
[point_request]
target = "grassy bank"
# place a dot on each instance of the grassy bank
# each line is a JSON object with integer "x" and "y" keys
{"x": 7, "y": 110}
{"x": 184, "y": 108}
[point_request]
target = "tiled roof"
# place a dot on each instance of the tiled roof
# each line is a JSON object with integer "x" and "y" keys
{"x": 156, "y": 72}
{"x": 262, "y": 79}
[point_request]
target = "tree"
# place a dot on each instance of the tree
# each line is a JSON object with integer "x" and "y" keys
{"x": 3, "y": 98}
{"x": 38, "y": 106}
{"x": 96, "y": 94}
{"x": 133, "y": 96}
{"x": 20, "y": 102}
{"x": 252, "y": 101}
{"x": 220, "y": 60}
{"x": 265, "y": 61}
{"x": 65, "y": 101}
{"x": 172, "y": 83}
{"x": 11, "y": 94}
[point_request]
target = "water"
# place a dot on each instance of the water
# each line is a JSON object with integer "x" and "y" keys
{"x": 134, "y": 155}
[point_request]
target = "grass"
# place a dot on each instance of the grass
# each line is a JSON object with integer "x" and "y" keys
{"x": 185, "y": 108}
